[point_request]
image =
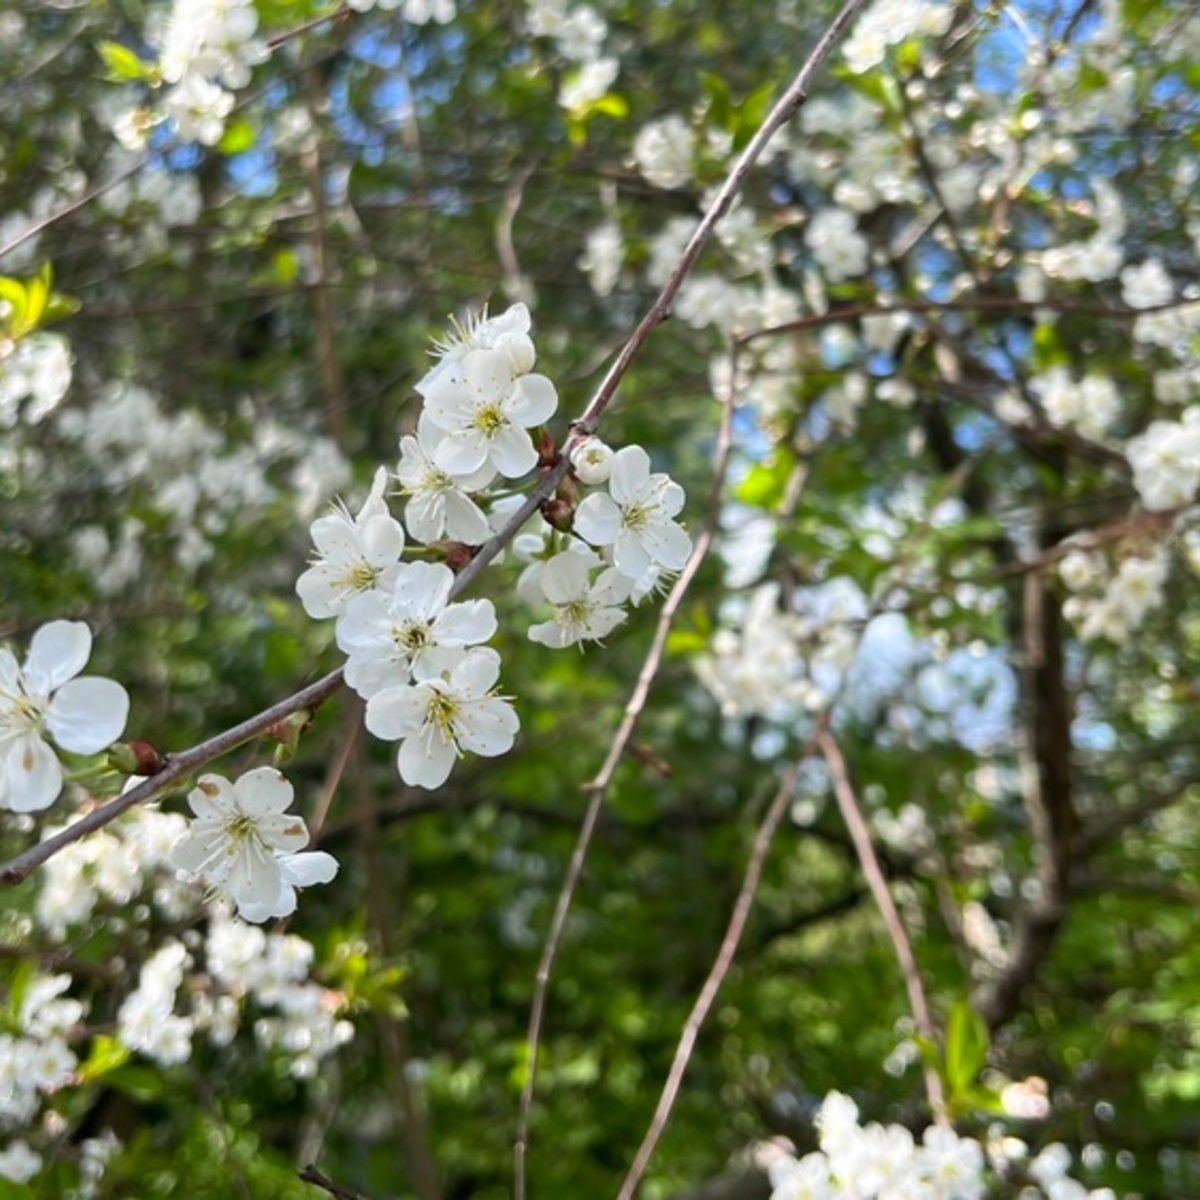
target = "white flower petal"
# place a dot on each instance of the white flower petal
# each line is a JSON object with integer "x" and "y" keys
{"x": 31, "y": 776}
{"x": 86, "y": 715}
{"x": 58, "y": 651}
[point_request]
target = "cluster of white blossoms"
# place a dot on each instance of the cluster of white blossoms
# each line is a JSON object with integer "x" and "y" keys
{"x": 415, "y": 12}
{"x": 1165, "y": 459}
{"x": 756, "y": 668}
{"x": 35, "y": 373}
{"x": 578, "y": 32}
{"x": 887, "y": 23}
{"x": 43, "y": 699}
{"x": 206, "y": 50}
{"x": 885, "y": 1162}
{"x": 416, "y": 656}
{"x": 1113, "y": 606}
{"x": 1090, "y": 404}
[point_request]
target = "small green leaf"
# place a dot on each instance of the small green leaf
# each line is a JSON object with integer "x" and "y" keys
{"x": 966, "y": 1048}
{"x": 123, "y": 65}
{"x": 238, "y": 136}
{"x": 107, "y": 1055}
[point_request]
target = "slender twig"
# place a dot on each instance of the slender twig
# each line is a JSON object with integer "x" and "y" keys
{"x": 310, "y": 1174}
{"x": 856, "y": 824}
{"x": 1015, "y": 304}
{"x": 598, "y": 788}
{"x": 716, "y": 976}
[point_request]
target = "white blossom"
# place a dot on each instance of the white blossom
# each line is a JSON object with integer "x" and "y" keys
{"x": 355, "y": 554}
{"x": 410, "y": 631}
{"x": 44, "y": 698}
{"x": 832, "y": 236}
{"x": 18, "y": 1163}
{"x": 636, "y": 517}
{"x": 241, "y": 832}
{"x": 592, "y": 461}
{"x": 439, "y": 504}
{"x": 486, "y": 411}
{"x": 602, "y": 257}
{"x": 584, "y": 609}
{"x": 436, "y": 720}
{"x": 663, "y": 151}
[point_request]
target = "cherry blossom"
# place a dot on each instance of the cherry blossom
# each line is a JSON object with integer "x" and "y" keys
{"x": 439, "y": 505}
{"x": 355, "y": 554}
{"x": 437, "y": 720}
{"x": 485, "y": 410}
{"x": 592, "y": 461}
{"x": 411, "y": 630}
{"x": 240, "y": 836}
{"x": 636, "y": 518}
{"x": 584, "y": 609}
{"x": 42, "y": 698}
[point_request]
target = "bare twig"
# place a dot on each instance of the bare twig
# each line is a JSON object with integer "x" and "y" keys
{"x": 856, "y": 824}
{"x": 716, "y": 976}
{"x": 598, "y": 789}
{"x": 310, "y": 1174}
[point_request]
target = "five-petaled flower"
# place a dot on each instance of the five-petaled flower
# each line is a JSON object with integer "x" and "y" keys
{"x": 245, "y": 845}
{"x": 583, "y": 609}
{"x": 436, "y": 720}
{"x": 636, "y": 518}
{"x": 43, "y": 698}
{"x": 486, "y": 411}
{"x": 438, "y": 503}
{"x": 355, "y": 554}
{"x": 410, "y": 630}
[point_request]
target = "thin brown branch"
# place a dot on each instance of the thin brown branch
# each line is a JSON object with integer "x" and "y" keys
{"x": 598, "y": 789}
{"x": 856, "y": 824}
{"x": 716, "y": 976}
{"x": 317, "y": 1178}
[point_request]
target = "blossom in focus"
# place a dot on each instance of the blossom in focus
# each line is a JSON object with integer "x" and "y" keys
{"x": 584, "y": 609}
{"x": 592, "y": 460}
{"x": 636, "y": 517}
{"x": 437, "y": 720}
{"x": 355, "y": 554}
{"x": 486, "y": 411}
{"x": 44, "y": 699}
{"x": 241, "y": 832}
{"x": 411, "y": 630}
{"x": 439, "y": 505}
{"x": 509, "y": 331}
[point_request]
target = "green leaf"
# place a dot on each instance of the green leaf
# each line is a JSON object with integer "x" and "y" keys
{"x": 966, "y": 1048}
{"x": 107, "y": 1055}
{"x": 123, "y": 64}
{"x": 239, "y": 136}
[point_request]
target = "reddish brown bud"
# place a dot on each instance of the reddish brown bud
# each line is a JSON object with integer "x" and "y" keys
{"x": 547, "y": 450}
{"x": 136, "y": 758}
{"x": 568, "y": 491}
{"x": 458, "y": 554}
{"x": 559, "y": 514}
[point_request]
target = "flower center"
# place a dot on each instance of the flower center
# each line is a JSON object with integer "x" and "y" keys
{"x": 441, "y": 713}
{"x": 414, "y": 637}
{"x": 636, "y": 516}
{"x": 21, "y": 713}
{"x": 490, "y": 419}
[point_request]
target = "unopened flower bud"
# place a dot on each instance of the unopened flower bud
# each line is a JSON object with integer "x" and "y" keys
{"x": 559, "y": 514}
{"x": 288, "y": 731}
{"x": 136, "y": 758}
{"x": 458, "y": 554}
{"x": 592, "y": 460}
